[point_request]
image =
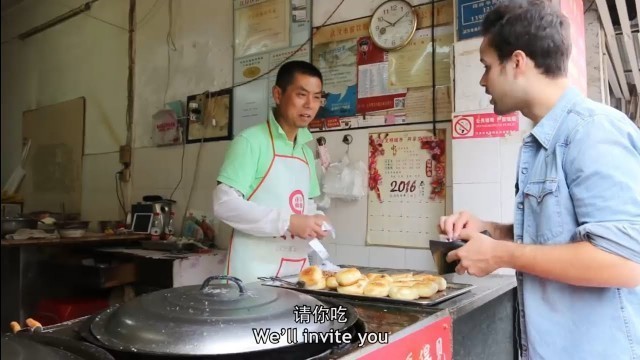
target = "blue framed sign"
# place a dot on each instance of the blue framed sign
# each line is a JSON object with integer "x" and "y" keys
{"x": 470, "y": 16}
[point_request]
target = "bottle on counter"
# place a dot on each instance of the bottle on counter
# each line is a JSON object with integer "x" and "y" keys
{"x": 169, "y": 230}
{"x": 156, "y": 227}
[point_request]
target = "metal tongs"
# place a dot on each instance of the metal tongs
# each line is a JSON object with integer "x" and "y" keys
{"x": 297, "y": 284}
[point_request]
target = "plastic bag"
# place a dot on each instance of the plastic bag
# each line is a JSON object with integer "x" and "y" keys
{"x": 345, "y": 180}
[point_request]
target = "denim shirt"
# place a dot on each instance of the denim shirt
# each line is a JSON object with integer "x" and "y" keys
{"x": 579, "y": 180}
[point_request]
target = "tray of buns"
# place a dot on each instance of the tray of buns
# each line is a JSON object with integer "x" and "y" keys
{"x": 368, "y": 284}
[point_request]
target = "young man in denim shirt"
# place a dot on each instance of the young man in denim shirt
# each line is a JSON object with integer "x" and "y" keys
{"x": 575, "y": 240}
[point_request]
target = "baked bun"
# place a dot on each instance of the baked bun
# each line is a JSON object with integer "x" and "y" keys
{"x": 422, "y": 277}
{"x": 404, "y": 282}
{"x": 373, "y": 276}
{"x": 377, "y": 289}
{"x": 311, "y": 275}
{"x": 348, "y": 276}
{"x": 356, "y": 288}
{"x": 403, "y": 293}
{"x": 403, "y": 276}
{"x": 426, "y": 288}
{"x": 332, "y": 283}
{"x": 316, "y": 285}
{"x": 327, "y": 274}
{"x": 377, "y": 277}
{"x": 440, "y": 281}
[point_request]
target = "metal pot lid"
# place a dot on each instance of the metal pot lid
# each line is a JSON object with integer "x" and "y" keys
{"x": 215, "y": 319}
{"x": 20, "y": 347}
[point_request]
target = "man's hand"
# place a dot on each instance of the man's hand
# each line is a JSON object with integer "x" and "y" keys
{"x": 453, "y": 224}
{"x": 480, "y": 256}
{"x": 307, "y": 226}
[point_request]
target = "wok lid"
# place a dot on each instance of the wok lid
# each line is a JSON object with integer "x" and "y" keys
{"x": 215, "y": 319}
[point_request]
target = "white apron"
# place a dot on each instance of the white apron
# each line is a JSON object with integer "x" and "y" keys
{"x": 285, "y": 186}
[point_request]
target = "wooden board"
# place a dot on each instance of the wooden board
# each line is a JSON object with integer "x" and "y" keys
{"x": 54, "y": 164}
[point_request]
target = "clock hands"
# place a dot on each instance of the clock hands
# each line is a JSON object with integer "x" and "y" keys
{"x": 384, "y": 28}
{"x": 400, "y": 18}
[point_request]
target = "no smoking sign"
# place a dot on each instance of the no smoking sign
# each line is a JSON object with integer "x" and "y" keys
{"x": 484, "y": 125}
{"x": 462, "y": 127}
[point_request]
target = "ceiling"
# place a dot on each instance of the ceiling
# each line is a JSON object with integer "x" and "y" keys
{"x": 8, "y": 4}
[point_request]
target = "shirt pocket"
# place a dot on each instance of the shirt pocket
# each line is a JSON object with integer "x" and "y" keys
{"x": 542, "y": 222}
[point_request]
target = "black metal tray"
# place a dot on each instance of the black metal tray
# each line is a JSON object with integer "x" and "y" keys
{"x": 452, "y": 290}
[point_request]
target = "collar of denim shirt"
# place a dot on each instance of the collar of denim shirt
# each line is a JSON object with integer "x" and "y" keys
{"x": 545, "y": 130}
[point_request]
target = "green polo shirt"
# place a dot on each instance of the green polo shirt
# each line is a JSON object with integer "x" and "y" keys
{"x": 250, "y": 154}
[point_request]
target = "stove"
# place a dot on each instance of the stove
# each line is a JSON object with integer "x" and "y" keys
{"x": 381, "y": 319}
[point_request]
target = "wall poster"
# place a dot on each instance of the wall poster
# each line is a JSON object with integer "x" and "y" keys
{"x": 407, "y": 187}
{"x": 266, "y": 33}
{"x": 366, "y": 86}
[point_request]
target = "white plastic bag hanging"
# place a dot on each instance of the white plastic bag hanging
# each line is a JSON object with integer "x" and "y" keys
{"x": 345, "y": 180}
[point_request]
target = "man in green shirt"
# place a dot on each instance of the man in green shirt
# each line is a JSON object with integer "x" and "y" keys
{"x": 267, "y": 181}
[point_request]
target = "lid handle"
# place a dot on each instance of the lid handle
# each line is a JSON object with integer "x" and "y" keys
{"x": 235, "y": 280}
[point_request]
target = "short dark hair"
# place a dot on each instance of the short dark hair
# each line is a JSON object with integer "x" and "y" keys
{"x": 535, "y": 27}
{"x": 288, "y": 71}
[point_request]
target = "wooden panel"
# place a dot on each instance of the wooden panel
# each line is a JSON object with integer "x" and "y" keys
{"x": 54, "y": 164}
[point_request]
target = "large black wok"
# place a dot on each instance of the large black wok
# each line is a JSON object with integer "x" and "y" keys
{"x": 214, "y": 321}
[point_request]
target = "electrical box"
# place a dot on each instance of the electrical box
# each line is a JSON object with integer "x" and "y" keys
{"x": 125, "y": 155}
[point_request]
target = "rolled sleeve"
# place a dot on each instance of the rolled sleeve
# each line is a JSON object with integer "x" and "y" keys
{"x": 603, "y": 174}
{"x": 614, "y": 237}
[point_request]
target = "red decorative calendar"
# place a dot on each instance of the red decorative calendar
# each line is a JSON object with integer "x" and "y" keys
{"x": 407, "y": 184}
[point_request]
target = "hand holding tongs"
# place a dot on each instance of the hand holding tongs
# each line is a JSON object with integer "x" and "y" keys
{"x": 32, "y": 326}
{"x": 298, "y": 284}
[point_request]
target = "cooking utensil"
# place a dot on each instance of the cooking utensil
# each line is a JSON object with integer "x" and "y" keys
{"x": 72, "y": 228}
{"x": 31, "y": 343}
{"x": 32, "y": 326}
{"x": 11, "y": 225}
{"x": 212, "y": 319}
{"x": 297, "y": 284}
{"x": 440, "y": 250}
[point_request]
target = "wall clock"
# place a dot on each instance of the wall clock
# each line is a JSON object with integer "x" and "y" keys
{"x": 393, "y": 24}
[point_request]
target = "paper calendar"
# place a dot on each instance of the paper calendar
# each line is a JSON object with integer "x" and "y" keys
{"x": 406, "y": 187}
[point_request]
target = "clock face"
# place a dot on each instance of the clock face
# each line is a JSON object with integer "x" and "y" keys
{"x": 393, "y": 24}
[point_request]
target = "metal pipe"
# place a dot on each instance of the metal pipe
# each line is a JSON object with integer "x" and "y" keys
{"x": 57, "y": 20}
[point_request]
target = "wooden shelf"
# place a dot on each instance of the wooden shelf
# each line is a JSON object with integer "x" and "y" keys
{"x": 87, "y": 239}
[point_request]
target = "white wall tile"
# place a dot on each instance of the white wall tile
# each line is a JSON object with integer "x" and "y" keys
{"x": 387, "y": 257}
{"x": 476, "y": 161}
{"x": 418, "y": 259}
{"x": 331, "y": 249}
{"x": 469, "y": 95}
{"x": 507, "y": 202}
{"x": 509, "y": 152}
{"x": 352, "y": 255}
{"x": 349, "y": 218}
{"x": 483, "y": 200}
